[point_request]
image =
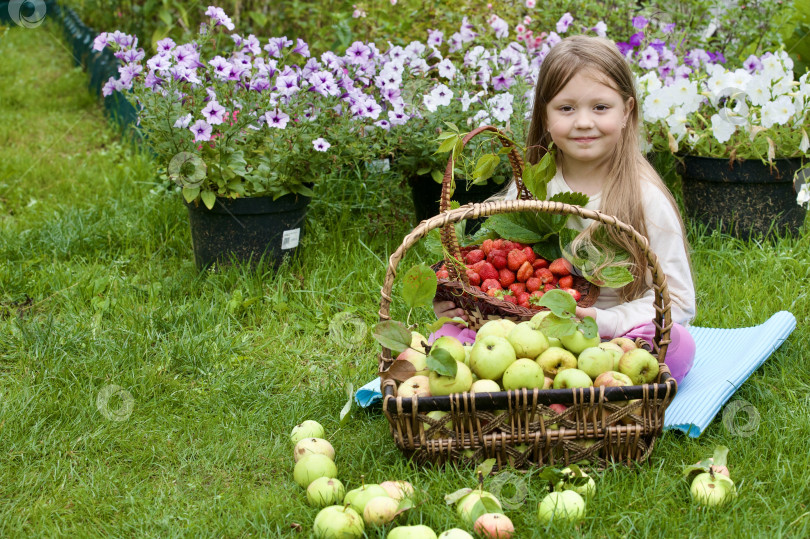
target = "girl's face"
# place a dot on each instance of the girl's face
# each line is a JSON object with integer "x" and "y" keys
{"x": 586, "y": 119}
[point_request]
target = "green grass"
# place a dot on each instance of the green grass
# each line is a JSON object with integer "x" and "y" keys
{"x": 98, "y": 288}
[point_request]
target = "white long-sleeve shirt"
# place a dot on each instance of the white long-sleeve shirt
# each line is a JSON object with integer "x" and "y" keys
{"x": 614, "y": 317}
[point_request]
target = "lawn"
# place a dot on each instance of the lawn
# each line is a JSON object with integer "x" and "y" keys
{"x": 98, "y": 289}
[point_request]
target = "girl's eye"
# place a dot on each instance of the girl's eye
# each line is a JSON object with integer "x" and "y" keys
{"x": 601, "y": 108}
{"x": 566, "y": 108}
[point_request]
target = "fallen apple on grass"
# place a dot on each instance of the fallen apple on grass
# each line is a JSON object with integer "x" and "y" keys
{"x": 399, "y": 490}
{"x": 566, "y": 505}
{"x": 311, "y": 467}
{"x": 358, "y": 498}
{"x": 577, "y": 481}
{"x": 476, "y": 503}
{"x": 712, "y": 489}
{"x": 380, "y": 510}
{"x": 494, "y": 526}
{"x": 412, "y": 532}
{"x": 325, "y": 491}
{"x": 338, "y": 522}
{"x": 455, "y": 533}
{"x": 313, "y": 446}
{"x": 306, "y": 429}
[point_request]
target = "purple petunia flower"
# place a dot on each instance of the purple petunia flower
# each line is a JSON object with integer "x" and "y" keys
{"x": 435, "y": 37}
{"x": 397, "y": 117}
{"x": 100, "y": 42}
{"x": 321, "y": 144}
{"x": 358, "y": 53}
{"x": 129, "y": 72}
{"x": 502, "y": 81}
{"x": 717, "y": 57}
{"x": 668, "y": 28}
{"x": 218, "y": 16}
{"x": 221, "y": 67}
{"x": 214, "y": 113}
{"x": 301, "y": 48}
{"x": 252, "y": 45}
{"x": 636, "y": 39}
{"x": 639, "y": 22}
{"x": 109, "y": 87}
{"x": 152, "y": 81}
{"x": 600, "y": 29}
{"x": 183, "y": 121}
{"x": 287, "y": 85}
{"x": 752, "y": 64}
{"x": 624, "y": 47}
{"x": 564, "y": 23}
{"x": 276, "y": 45}
{"x": 165, "y": 45}
{"x": 648, "y": 58}
{"x": 201, "y": 130}
{"x": 159, "y": 62}
{"x": 500, "y": 26}
{"x": 383, "y": 124}
{"x": 259, "y": 84}
{"x": 276, "y": 119}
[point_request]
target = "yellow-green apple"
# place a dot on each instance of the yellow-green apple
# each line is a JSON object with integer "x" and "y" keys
{"x": 485, "y": 386}
{"x": 576, "y": 342}
{"x": 594, "y": 361}
{"x": 445, "y": 385}
{"x": 380, "y": 510}
{"x": 548, "y": 382}
{"x": 572, "y": 378}
{"x": 338, "y": 521}
{"x": 566, "y": 506}
{"x": 418, "y": 342}
{"x": 523, "y": 373}
{"x": 624, "y": 343}
{"x": 412, "y": 532}
{"x": 306, "y": 429}
{"x": 455, "y": 533}
{"x": 527, "y": 340}
{"x": 415, "y": 358}
{"x": 325, "y": 491}
{"x": 467, "y": 350}
{"x": 615, "y": 352}
{"x": 612, "y": 379}
{"x": 398, "y": 490}
{"x": 437, "y": 415}
{"x": 359, "y": 497}
{"x": 712, "y": 489}
{"x": 311, "y": 467}
{"x": 499, "y": 327}
{"x": 555, "y": 360}
{"x": 581, "y": 483}
{"x": 466, "y": 507}
{"x": 452, "y": 345}
{"x": 415, "y": 385}
{"x": 309, "y": 446}
{"x": 494, "y": 526}
{"x": 491, "y": 356}
{"x": 640, "y": 365}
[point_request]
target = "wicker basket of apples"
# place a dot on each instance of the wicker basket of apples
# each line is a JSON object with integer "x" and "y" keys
{"x": 542, "y": 391}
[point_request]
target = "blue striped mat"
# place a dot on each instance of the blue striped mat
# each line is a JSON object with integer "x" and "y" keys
{"x": 724, "y": 359}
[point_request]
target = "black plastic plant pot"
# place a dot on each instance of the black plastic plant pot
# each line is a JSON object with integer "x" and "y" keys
{"x": 747, "y": 199}
{"x": 426, "y": 194}
{"x": 247, "y": 230}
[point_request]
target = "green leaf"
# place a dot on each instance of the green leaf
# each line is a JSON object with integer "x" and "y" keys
{"x": 720, "y": 455}
{"x": 560, "y": 303}
{"x": 419, "y": 286}
{"x": 442, "y": 362}
{"x": 437, "y": 175}
{"x": 536, "y": 177}
{"x": 554, "y": 326}
{"x": 514, "y": 227}
{"x": 344, "y": 413}
{"x": 485, "y": 467}
{"x": 550, "y": 474}
{"x": 452, "y": 126}
{"x": 453, "y": 497}
{"x": 588, "y": 327}
{"x": 486, "y": 166}
{"x": 435, "y": 326}
{"x": 448, "y": 144}
{"x": 484, "y": 506}
{"x": 575, "y": 199}
{"x": 190, "y": 193}
{"x": 392, "y": 335}
{"x": 548, "y": 249}
{"x": 612, "y": 277}
{"x": 208, "y": 198}
{"x": 433, "y": 243}
{"x": 422, "y": 171}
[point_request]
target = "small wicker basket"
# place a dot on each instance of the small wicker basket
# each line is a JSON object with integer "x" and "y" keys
{"x": 518, "y": 427}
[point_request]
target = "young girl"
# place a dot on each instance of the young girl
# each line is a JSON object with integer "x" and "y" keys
{"x": 585, "y": 102}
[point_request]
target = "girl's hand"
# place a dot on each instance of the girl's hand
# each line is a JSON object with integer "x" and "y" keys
{"x": 448, "y": 309}
{"x": 582, "y": 312}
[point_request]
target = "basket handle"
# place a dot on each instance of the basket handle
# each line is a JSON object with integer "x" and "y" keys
{"x": 661, "y": 301}
{"x": 448, "y": 234}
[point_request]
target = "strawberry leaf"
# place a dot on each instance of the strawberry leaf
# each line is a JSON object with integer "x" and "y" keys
{"x": 560, "y": 303}
{"x": 442, "y": 362}
{"x": 392, "y": 335}
{"x": 518, "y": 227}
{"x": 419, "y": 286}
{"x": 588, "y": 327}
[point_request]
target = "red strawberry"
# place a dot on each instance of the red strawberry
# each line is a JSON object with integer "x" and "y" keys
{"x": 493, "y": 292}
{"x": 443, "y": 274}
{"x": 517, "y": 288}
{"x": 506, "y": 277}
{"x": 488, "y": 271}
{"x": 515, "y": 259}
{"x": 523, "y": 297}
{"x": 537, "y": 294}
{"x": 560, "y": 267}
{"x": 499, "y": 261}
{"x": 567, "y": 281}
{"x": 548, "y": 287}
{"x": 524, "y": 272}
{"x": 476, "y": 255}
{"x": 473, "y": 277}
{"x": 574, "y": 293}
{"x": 489, "y": 284}
{"x": 540, "y": 263}
{"x": 498, "y": 243}
{"x": 530, "y": 256}
{"x": 478, "y": 265}
{"x": 545, "y": 275}
{"x": 533, "y": 284}
{"x": 510, "y": 298}
{"x": 486, "y": 246}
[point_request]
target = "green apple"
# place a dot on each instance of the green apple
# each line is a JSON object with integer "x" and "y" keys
{"x": 500, "y": 327}
{"x": 400, "y": 490}
{"x": 306, "y": 429}
{"x": 555, "y": 341}
{"x": 539, "y": 317}
{"x": 566, "y": 505}
{"x": 325, "y": 491}
{"x": 311, "y": 467}
{"x": 455, "y": 533}
{"x": 548, "y": 382}
{"x": 555, "y": 360}
{"x": 411, "y": 532}
{"x": 380, "y": 510}
{"x": 594, "y": 361}
{"x": 494, "y": 526}
{"x": 418, "y": 342}
{"x": 624, "y": 343}
{"x": 712, "y": 489}
{"x": 576, "y": 342}
{"x": 437, "y": 415}
{"x": 615, "y": 352}
{"x": 452, "y": 345}
{"x": 612, "y": 379}
{"x": 581, "y": 483}
{"x": 415, "y": 385}
{"x": 485, "y": 386}
{"x": 466, "y": 506}
{"x": 640, "y": 365}
{"x": 338, "y": 522}
{"x": 415, "y": 358}
{"x": 491, "y": 356}
{"x": 527, "y": 340}
{"x": 523, "y": 373}
{"x": 467, "y": 350}
{"x": 309, "y": 446}
{"x": 572, "y": 378}
{"x": 445, "y": 385}
{"x": 359, "y": 497}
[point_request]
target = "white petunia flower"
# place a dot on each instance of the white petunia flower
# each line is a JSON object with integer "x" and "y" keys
{"x": 758, "y": 90}
{"x": 649, "y": 82}
{"x": 721, "y": 129}
{"x": 657, "y": 105}
{"x": 777, "y": 111}
{"x": 803, "y": 198}
{"x": 446, "y": 69}
{"x": 677, "y": 123}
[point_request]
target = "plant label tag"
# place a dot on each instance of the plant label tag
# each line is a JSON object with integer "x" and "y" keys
{"x": 289, "y": 238}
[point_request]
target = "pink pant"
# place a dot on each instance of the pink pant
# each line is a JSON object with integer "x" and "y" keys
{"x": 680, "y": 352}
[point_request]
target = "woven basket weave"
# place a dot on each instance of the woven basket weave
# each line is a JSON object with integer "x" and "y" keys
{"x": 518, "y": 427}
{"x": 478, "y": 305}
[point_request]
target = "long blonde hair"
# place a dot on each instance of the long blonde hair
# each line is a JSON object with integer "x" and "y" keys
{"x": 621, "y": 192}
